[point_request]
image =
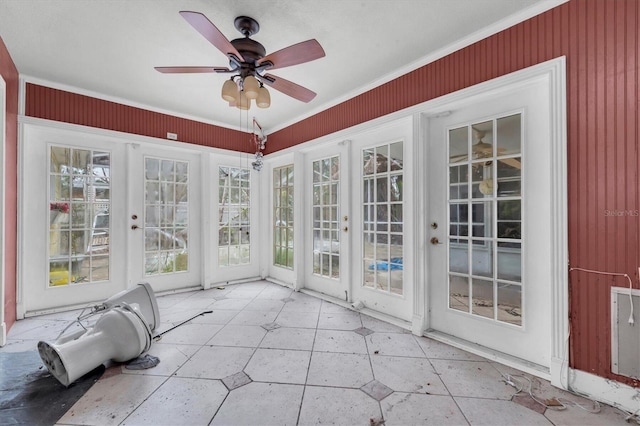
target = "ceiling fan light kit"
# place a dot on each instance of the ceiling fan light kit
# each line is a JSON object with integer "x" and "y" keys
{"x": 248, "y": 61}
{"x": 264, "y": 97}
{"x": 250, "y": 87}
{"x": 230, "y": 91}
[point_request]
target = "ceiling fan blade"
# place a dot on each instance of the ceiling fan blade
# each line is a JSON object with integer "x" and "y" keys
{"x": 513, "y": 162}
{"x": 204, "y": 26}
{"x": 191, "y": 70}
{"x": 293, "y": 55}
{"x": 482, "y": 147}
{"x": 458, "y": 158}
{"x": 288, "y": 88}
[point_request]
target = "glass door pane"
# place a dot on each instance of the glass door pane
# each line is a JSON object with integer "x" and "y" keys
{"x": 166, "y": 220}
{"x": 485, "y": 198}
{"x": 326, "y": 212}
{"x": 233, "y": 217}
{"x": 79, "y": 206}
{"x": 283, "y": 216}
{"x": 382, "y": 234}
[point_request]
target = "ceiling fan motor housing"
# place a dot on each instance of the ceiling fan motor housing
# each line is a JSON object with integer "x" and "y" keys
{"x": 250, "y": 49}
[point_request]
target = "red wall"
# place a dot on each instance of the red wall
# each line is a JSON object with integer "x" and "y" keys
{"x": 59, "y": 105}
{"x": 600, "y": 39}
{"x": 10, "y": 75}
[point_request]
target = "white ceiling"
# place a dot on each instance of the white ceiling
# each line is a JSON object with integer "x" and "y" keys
{"x": 108, "y": 48}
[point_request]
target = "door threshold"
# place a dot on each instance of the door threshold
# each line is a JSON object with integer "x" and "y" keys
{"x": 369, "y": 312}
{"x": 491, "y": 354}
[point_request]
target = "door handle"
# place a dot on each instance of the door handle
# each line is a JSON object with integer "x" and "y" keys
{"x": 134, "y": 227}
{"x": 435, "y": 241}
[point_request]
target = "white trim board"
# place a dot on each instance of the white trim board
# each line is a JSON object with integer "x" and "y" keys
{"x": 604, "y": 390}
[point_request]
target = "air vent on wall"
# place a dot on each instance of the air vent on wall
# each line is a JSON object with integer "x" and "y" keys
{"x": 625, "y": 337}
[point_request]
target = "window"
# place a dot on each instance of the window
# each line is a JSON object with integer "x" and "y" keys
{"x": 233, "y": 216}
{"x": 79, "y": 206}
{"x": 326, "y": 213}
{"x": 166, "y": 221}
{"x": 485, "y": 220}
{"x": 283, "y": 216}
{"x": 382, "y": 170}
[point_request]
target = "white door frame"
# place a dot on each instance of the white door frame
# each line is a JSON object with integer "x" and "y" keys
{"x": 554, "y": 71}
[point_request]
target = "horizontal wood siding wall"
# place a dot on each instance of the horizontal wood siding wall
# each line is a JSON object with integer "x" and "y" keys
{"x": 59, "y": 105}
{"x": 600, "y": 39}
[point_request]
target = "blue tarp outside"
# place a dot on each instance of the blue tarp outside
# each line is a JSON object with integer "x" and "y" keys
{"x": 394, "y": 264}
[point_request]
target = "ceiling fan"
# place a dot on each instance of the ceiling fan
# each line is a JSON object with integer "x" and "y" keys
{"x": 482, "y": 149}
{"x": 248, "y": 59}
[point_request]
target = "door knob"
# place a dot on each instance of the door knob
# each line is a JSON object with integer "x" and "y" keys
{"x": 435, "y": 241}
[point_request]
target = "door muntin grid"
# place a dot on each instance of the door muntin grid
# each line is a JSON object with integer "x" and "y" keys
{"x": 326, "y": 214}
{"x": 234, "y": 227}
{"x": 166, "y": 218}
{"x": 383, "y": 227}
{"x": 485, "y": 219}
{"x": 283, "y": 216}
{"x": 79, "y": 207}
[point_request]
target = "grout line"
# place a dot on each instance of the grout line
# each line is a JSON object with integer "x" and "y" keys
{"x": 306, "y": 379}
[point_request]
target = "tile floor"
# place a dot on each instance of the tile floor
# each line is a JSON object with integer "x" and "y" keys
{"x": 269, "y": 356}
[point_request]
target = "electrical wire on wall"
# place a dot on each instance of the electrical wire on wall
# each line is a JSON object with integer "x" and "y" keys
{"x": 260, "y": 141}
{"x": 615, "y": 274}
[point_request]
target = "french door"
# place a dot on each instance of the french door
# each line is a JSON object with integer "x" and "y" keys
{"x": 327, "y": 194}
{"x": 99, "y": 215}
{"x": 489, "y": 196}
{"x": 382, "y": 221}
{"x": 72, "y": 204}
{"x": 163, "y": 222}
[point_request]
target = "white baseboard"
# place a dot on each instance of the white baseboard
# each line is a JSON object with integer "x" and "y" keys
{"x": 604, "y": 390}
{"x": 594, "y": 387}
{"x": 490, "y": 354}
{"x": 370, "y": 312}
{"x": 279, "y": 282}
